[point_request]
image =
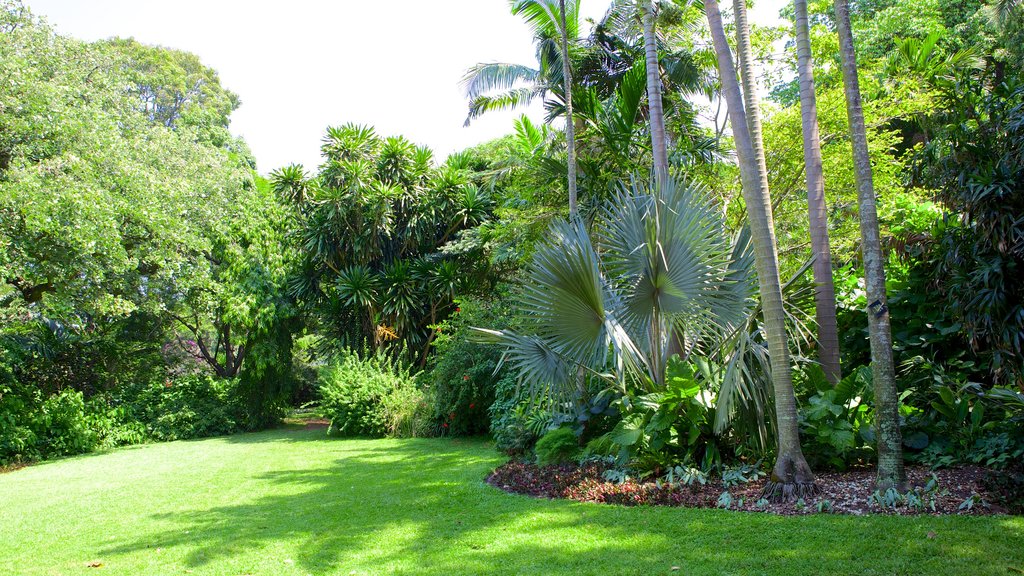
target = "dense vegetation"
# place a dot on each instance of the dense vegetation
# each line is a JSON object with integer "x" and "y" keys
{"x": 626, "y": 291}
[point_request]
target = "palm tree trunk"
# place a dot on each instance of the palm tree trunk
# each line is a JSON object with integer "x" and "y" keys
{"x": 655, "y": 109}
{"x": 887, "y": 427}
{"x": 825, "y": 292}
{"x": 791, "y": 476}
{"x": 570, "y": 128}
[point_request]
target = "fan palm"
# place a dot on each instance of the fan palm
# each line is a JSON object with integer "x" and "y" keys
{"x": 657, "y": 263}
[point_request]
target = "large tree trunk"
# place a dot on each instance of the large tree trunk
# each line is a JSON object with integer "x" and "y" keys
{"x": 791, "y": 476}
{"x": 825, "y": 292}
{"x": 887, "y": 427}
{"x": 570, "y": 128}
{"x": 655, "y": 109}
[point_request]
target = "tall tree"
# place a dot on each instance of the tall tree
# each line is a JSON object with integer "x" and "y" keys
{"x": 791, "y": 475}
{"x": 502, "y": 86}
{"x": 890, "y": 442}
{"x": 655, "y": 109}
{"x": 825, "y": 292}
{"x": 570, "y": 128}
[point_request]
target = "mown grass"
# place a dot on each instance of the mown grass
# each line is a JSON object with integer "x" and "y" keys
{"x": 294, "y": 502}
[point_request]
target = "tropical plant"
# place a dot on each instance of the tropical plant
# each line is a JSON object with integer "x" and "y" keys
{"x": 655, "y": 109}
{"x": 377, "y": 231}
{"x": 825, "y": 294}
{"x": 608, "y": 304}
{"x": 791, "y": 476}
{"x": 497, "y": 86}
{"x": 890, "y": 444}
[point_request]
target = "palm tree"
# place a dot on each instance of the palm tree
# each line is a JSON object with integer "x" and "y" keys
{"x": 570, "y": 128}
{"x": 605, "y": 302}
{"x": 825, "y": 292}
{"x": 890, "y": 442}
{"x": 500, "y": 85}
{"x": 791, "y": 476}
{"x": 657, "y": 113}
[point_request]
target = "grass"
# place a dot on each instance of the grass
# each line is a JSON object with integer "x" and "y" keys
{"x": 292, "y": 502}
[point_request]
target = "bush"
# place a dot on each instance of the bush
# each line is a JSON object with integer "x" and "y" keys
{"x": 371, "y": 396}
{"x": 559, "y": 446}
{"x": 63, "y": 427}
{"x": 461, "y": 377}
{"x": 515, "y": 424}
{"x": 189, "y": 407}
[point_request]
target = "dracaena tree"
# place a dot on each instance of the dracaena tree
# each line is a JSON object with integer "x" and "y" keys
{"x": 375, "y": 227}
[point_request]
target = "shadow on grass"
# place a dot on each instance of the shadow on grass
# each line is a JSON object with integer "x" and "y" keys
{"x": 420, "y": 507}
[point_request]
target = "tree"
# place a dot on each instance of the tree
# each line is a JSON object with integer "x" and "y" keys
{"x": 890, "y": 443}
{"x": 825, "y": 292}
{"x": 240, "y": 297}
{"x": 655, "y": 110}
{"x": 380, "y": 233}
{"x": 791, "y": 476}
{"x": 570, "y": 128}
{"x": 500, "y": 85}
{"x": 606, "y": 302}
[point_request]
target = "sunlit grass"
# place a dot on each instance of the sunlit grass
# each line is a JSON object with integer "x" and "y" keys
{"x": 294, "y": 502}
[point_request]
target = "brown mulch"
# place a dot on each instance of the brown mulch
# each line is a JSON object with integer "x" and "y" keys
{"x": 847, "y": 492}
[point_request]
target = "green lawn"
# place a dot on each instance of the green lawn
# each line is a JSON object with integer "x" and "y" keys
{"x": 294, "y": 502}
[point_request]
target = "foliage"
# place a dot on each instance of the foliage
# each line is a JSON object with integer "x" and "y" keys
{"x": 558, "y": 446}
{"x": 190, "y": 407}
{"x": 463, "y": 375}
{"x": 128, "y": 213}
{"x": 377, "y": 229}
{"x": 976, "y": 163}
{"x": 662, "y": 429}
{"x": 372, "y": 396}
{"x": 836, "y": 421}
{"x": 37, "y": 426}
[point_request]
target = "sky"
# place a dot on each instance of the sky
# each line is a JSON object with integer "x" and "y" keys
{"x": 302, "y": 65}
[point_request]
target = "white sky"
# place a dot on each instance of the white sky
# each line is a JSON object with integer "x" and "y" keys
{"x": 302, "y": 65}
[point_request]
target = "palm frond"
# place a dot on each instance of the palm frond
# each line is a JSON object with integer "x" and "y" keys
{"x": 485, "y": 78}
{"x": 514, "y": 98}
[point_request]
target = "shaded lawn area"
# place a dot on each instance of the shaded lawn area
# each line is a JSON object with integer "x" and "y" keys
{"x": 294, "y": 502}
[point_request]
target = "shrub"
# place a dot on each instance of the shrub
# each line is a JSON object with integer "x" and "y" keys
{"x": 18, "y": 440}
{"x": 189, "y": 407}
{"x": 371, "y": 396}
{"x": 514, "y": 423}
{"x": 461, "y": 377}
{"x": 558, "y": 446}
{"x": 62, "y": 426}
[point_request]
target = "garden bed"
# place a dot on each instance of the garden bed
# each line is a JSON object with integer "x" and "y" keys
{"x": 961, "y": 491}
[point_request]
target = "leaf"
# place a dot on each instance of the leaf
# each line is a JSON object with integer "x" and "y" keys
{"x": 915, "y": 441}
{"x": 947, "y": 396}
{"x": 977, "y": 413}
{"x": 842, "y": 439}
{"x": 627, "y": 436}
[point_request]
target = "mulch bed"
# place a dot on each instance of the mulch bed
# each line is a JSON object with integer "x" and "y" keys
{"x": 839, "y": 492}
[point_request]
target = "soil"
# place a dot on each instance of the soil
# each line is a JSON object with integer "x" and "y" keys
{"x": 308, "y": 423}
{"x": 959, "y": 491}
